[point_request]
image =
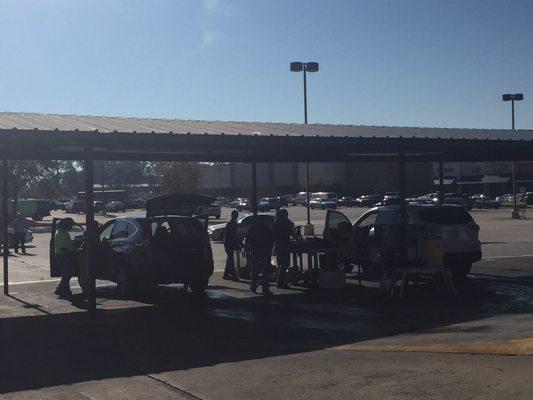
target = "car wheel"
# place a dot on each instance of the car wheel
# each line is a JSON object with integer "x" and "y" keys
{"x": 460, "y": 271}
{"x": 124, "y": 282}
{"x": 199, "y": 284}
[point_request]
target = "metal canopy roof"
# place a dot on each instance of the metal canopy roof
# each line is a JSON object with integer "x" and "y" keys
{"x": 43, "y": 136}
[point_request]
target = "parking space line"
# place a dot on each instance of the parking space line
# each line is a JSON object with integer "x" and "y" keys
{"x": 511, "y": 347}
{"x": 503, "y": 257}
{"x": 30, "y": 282}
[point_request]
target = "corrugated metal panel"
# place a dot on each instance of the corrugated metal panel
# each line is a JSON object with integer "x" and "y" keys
{"x": 47, "y": 122}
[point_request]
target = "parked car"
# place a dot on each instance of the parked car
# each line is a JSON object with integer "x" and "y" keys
{"x": 161, "y": 247}
{"x": 115, "y": 206}
{"x": 285, "y": 199}
{"x": 327, "y": 196}
{"x": 244, "y": 223}
{"x": 323, "y": 204}
{"x": 75, "y": 207}
{"x": 35, "y": 209}
{"x": 484, "y": 201}
{"x": 269, "y": 203}
{"x": 388, "y": 201}
{"x": 368, "y": 200}
{"x": 346, "y": 201}
{"x": 374, "y": 237}
{"x": 503, "y": 199}
{"x": 99, "y": 206}
{"x": 240, "y": 204}
{"x": 212, "y": 210}
{"x": 299, "y": 199}
{"x": 458, "y": 199}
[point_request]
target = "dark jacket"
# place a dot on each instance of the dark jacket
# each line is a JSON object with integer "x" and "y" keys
{"x": 260, "y": 237}
{"x": 231, "y": 237}
{"x": 282, "y": 230}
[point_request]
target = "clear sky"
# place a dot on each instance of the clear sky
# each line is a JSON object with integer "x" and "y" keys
{"x": 398, "y": 62}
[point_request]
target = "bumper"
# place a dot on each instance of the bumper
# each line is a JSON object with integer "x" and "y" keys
{"x": 461, "y": 258}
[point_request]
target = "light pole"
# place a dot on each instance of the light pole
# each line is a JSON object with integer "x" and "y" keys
{"x": 306, "y": 67}
{"x": 512, "y": 98}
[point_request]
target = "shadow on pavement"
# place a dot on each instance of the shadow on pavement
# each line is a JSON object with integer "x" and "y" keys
{"x": 171, "y": 329}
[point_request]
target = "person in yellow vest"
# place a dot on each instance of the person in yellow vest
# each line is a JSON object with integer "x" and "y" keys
{"x": 63, "y": 249}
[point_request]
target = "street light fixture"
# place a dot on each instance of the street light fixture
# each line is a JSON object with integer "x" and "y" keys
{"x": 512, "y": 98}
{"x": 305, "y": 67}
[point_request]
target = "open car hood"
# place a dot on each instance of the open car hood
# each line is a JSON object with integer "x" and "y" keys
{"x": 177, "y": 204}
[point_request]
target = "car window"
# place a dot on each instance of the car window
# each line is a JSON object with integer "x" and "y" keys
{"x": 76, "y": 230}
{"x": 131, "y": 229}
{"x": 445, "y": 215}
{"x": 156, "y": 224}
{"x": 368, "y": 221}
{"x": 106, "y": 233}
{"x": 120, "y": 231}
{"x": 387, "y": 217}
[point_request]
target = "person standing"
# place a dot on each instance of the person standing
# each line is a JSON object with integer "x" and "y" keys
{"x": 20, "y": 226}
{"x": 63, "y": 250}
{"x": 260, "y": 242}
{"x": 231, "y": 245}
{"x": 283, "y": 229}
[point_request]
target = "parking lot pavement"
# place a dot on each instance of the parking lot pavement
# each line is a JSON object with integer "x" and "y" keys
{"x": 231, "y": 343}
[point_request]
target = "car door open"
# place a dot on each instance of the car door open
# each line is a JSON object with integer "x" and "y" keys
{"x": 338, "y": 229}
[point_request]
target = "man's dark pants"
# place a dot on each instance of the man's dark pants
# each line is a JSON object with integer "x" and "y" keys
{"x": 64, "y": 263}
{"x": 229, "y": 270}
{"x": 20, "y": 240}
{"x": 283, "y": 259}
{"x": 260, "y": 259}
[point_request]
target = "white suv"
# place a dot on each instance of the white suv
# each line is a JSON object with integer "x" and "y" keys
{"x": 373, "y": 240}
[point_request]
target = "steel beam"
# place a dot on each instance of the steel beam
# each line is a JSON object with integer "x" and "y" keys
{"x": 254, "y": 188}
{"x": 91, "y": 231}
{"x": 5, "y": 239}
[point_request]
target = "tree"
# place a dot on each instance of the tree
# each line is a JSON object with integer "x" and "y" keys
{"x": 179, "y": 177}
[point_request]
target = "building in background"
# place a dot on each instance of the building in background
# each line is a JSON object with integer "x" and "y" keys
{"x": 354, "y": 178}
{"x": 491, "y": 178}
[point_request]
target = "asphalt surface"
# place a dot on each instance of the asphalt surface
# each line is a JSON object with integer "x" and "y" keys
{"x": 299, "y": 343}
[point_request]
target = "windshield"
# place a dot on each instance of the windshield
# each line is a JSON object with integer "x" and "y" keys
{"x": 445, "y": 215}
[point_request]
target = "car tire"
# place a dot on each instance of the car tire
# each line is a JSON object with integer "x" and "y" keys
{"x": 460, "y": 271}
{"x": 124, "y": 282}
{"x": 199, "y": 284}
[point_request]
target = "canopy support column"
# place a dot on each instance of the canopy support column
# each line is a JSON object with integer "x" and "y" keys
{"x": 254, "y": 188}
{"x": 403, "y": 212}
{"x": 441, "y": 182}
{"x": 5, "y": 239}
{"x": 91, "y": 231}
{"x": 309, "y": 229}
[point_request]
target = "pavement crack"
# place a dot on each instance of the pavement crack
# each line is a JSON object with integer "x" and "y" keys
{"x": 182, "y": 392}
